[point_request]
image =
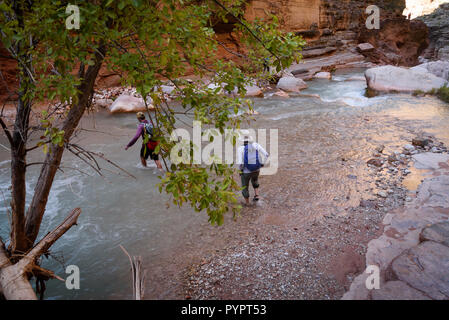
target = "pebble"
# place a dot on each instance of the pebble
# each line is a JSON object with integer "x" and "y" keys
{"x": 382, "y": 194}
{"x": 409, "y": 148}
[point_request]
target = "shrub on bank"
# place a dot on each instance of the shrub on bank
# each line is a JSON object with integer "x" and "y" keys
{"x": 443, "y": 93}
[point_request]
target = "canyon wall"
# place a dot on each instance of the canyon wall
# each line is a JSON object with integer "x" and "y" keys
{"x": 301, "y": 15}
{"x": 341, "y": 25}
{"x": 294, "y": 15}
{"x": 438, "y": 24}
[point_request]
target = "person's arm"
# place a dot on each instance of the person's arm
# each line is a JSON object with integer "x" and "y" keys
{"x": 136, "y": 137}
{"x": 261, "y": 150}
{"x": 240, "y": 151}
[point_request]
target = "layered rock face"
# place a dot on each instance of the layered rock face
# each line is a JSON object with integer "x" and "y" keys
{"x": 330, "y": 25}
{"x": 418, "y": 8}
{"x": 398, "y": 42}
{"x": 294, "y": 14}
{"x": 310, "y": 15}
{"x": 438, "y": 24}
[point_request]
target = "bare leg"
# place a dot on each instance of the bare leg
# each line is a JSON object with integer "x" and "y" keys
{"x": 144, "y": 162}
{"x": 158, "y": 164}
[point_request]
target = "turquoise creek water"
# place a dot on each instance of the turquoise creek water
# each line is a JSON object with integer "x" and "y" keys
{"x": 314, "y": 134}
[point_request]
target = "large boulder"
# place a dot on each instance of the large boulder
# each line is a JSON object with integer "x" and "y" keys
{"x": 291, "y": 84}
{"x": 397, "y": 290}
{"x": 323, "y": 75}
{"x": 167, "y": 89}
{"x": 439, "y": 68}
{"x": 103, "y": 103}
{"x": 253, "y": 91}
{"x": 127, "y": 103}
{"x": 390, "y": 78}
{"x": 438, "y": 232}
{"x": 425, "y": 268}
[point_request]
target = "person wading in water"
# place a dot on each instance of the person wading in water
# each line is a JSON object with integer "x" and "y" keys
{"x": 250, "y": 164}
{"x": 145, "y": 130}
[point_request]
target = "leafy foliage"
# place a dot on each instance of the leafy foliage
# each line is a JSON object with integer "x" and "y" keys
{"x": 443, "y": 93}
{"x": 147, "y": 42}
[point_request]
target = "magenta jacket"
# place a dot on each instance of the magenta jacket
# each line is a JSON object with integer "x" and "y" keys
{"x": 139, "y": 133}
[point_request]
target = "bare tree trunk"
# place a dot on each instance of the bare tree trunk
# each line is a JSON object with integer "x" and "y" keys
{"x": 14, "y": 278}
{"x": 14, "y": 284}
{"x": 18, "y": 154}
{"x": 18, "y": 172}
{"x": 37, "y": 207}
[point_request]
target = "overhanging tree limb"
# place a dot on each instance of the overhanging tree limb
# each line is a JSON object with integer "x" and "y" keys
{"x": 246, "y": 27}
{"x": 6, "y": 130}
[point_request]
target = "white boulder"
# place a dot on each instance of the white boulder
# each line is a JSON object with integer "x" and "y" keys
{"x": 104, "y": 103}
{"x": 390, "y": 78}
{"x": 439, "y": 68}
{"x": 291, "y": 84}
{"x": 323, "y": 75}
{"x": 253, "y": 91}
{"x": 127, "y": 103}
{"x": 167, "y": 89}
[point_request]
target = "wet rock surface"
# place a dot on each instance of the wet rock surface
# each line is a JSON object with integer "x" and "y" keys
{"x": 291, "y": 84}
{"x": 390, "y": 78}
{"x": 127, "y": 103}
{"x": 438, "y": 24}
{"x": 318, "y": 259}
{"x": 425, "y": 267}
{"x": 397, "y": 290}
{"x": 438, "y": 68}
{"x": 438, "y": 232}
{"x": 413, "y": 252}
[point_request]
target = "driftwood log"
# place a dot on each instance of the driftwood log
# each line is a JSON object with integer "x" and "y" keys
{"x": 138, "y": 275}
{"x": 14, "y": 278}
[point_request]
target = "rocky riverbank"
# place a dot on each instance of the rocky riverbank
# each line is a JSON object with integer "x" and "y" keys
{"x": 317, "y": 260}
{"x": 413, "y": 251}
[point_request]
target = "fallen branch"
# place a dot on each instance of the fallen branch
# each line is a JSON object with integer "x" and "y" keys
{"x": 51, "y": 237}
{"x": 138, "y": 275}
{"x": 14, "y": 278}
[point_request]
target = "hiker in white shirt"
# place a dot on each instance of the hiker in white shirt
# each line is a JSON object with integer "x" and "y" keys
{"x": 249, "y": 160}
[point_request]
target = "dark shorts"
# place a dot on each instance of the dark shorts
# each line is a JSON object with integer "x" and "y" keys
{"x": 146, "y": 152}
{"x": 246, "y": 178}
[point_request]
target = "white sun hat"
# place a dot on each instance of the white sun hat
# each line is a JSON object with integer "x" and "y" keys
{"x": 245, "y": 135}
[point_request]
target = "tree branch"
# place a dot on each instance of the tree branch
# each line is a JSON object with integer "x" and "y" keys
{"x": 51, "y": 237}
{"x": 6, "y": 130}
{"x": 246, "y": 27}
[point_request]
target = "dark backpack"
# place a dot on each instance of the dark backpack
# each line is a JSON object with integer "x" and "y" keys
{"x": 148, "y": 128}
{"x": 251, "y": 166}
{"x": 147, "y": 133}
